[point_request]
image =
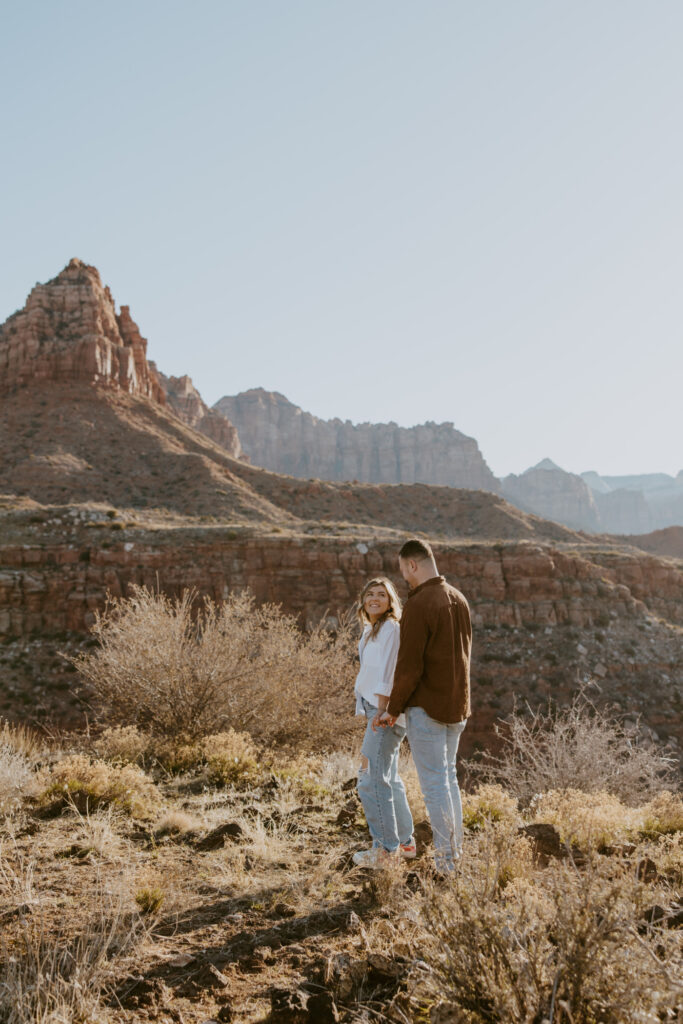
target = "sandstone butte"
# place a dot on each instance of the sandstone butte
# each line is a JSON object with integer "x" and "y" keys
{"x": 111, "y": 474}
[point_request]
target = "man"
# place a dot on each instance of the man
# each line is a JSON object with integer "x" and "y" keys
{"x": 432, "y": 685}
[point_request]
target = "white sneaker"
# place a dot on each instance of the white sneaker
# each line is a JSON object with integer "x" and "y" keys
{"x": 375, "y": 857}
{"x": 408, "y": 850}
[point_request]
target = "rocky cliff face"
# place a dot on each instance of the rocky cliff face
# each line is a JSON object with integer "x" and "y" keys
{"x": 280, "y": 436}
{"x": 548, "y": 491}
{"x": 186, "y": 402}
{"x": 69, "y": 331}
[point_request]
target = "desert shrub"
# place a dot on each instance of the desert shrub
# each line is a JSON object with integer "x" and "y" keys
{"x": 227, "y": 757}
{"x": 663, "y": 814}
{"x": 183, "y": 669}
{"x": 17, "y": 781}
{"x": 575, "y": 747}
{"x": 231, "y": 757}
{"x": 90, "y": 783}
{"x": 587, "y": 819}
{"x": 123, "y": 743}
{"x": 488, "y": 803}
{"x": 566, "y": 946}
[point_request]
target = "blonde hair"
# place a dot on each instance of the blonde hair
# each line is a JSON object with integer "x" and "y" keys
{"x": 392, "y": 612}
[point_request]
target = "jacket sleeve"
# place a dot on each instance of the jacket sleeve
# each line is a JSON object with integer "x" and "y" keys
{"x": 410, "y": 661}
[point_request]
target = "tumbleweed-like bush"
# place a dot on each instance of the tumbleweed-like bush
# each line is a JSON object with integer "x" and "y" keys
{"x": 575, "y": 747}
{"x": 184, "y": 668}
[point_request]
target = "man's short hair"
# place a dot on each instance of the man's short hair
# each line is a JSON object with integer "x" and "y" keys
{"x": 416, "y": 549}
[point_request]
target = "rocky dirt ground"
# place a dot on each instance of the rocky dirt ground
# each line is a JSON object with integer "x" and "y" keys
{"x": 238, "y": 905}
{"x": 260, "y": 907}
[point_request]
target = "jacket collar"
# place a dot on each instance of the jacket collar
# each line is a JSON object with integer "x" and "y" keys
{"x": 434, "y": 581}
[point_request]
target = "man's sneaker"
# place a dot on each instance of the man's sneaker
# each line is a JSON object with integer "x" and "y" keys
{"x": 375, "y": 857}
{"x": 408, "y": 850}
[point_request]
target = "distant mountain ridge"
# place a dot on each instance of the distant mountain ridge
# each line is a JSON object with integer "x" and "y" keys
{"x": 281, "y": 436}
{"x": 69, "y": 333}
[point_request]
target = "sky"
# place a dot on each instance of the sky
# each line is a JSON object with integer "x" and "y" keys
{"x": 383, "y": 209}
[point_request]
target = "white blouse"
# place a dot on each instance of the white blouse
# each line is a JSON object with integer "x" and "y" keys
{"x": 377, "y": 665}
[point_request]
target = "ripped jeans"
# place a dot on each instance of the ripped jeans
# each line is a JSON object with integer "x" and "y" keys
{"x": 381, "y": 788}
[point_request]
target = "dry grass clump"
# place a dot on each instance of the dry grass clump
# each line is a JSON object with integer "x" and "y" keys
{"x": 21, "y": 749}
{"x": 488, "y": 803}
{"x": 17, "y": 781}
{"x": 89, "y": 783}
{"x": 566, "y": 945}
{"x": 229, "y": 758}
{"x": 177, "y": 823}
{"x": 149, "y": 900}
{"x": 577, "y": 747}
{"x": 183, "y": 669}
{"x": 123, "y": 743}
{"x": 587, "y": 820}
{"x": 30, "y": 744}
{"x": 663, "y": 815}
{"x": 601, "y": 819}
{"x": 62, "y": 976}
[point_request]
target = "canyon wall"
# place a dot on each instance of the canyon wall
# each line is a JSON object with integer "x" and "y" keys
{"x": 280, "y": 436}
{"x": 58, "y": 586}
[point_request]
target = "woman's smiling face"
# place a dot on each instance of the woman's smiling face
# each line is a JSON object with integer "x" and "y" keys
{"x": 376, "y": 602}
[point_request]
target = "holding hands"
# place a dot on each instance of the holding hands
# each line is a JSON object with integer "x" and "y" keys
{"x": 383, "y": 719}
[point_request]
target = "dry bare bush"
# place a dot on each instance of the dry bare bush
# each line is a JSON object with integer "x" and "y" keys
{"x": 578, "y": 747}
{"x": 565, "y": 945}
{"x": 185, "y": 669}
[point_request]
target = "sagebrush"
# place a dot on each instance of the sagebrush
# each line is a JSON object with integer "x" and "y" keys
{"x": 575, "y": 747}
{"x": 186, "y": 668}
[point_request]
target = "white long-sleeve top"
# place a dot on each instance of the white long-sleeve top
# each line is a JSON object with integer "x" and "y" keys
{"x": 377, "y": 664}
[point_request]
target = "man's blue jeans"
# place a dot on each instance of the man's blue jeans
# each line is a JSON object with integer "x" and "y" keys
{"x": 381, "y": 788}
{"x": 434, "y": 746}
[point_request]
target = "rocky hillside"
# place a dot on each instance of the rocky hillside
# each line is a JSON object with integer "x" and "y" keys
{"x": 280, "y": 436}
{"x": 186, "y": 402}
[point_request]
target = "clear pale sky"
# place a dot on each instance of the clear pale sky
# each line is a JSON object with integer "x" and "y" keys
{"x": 386, "y": 210}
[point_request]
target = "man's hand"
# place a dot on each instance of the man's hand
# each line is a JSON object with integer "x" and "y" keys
{"x": 383, "y": 719}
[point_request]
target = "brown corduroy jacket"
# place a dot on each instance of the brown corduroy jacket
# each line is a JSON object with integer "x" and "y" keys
{"x": 433, "y": 666}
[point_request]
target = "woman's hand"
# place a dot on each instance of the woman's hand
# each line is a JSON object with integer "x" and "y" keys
{"x": 383, "y": 719}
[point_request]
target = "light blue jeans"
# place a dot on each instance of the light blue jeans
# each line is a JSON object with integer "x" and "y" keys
{"x": 381, "y": 788}
{"x": 434, "y": 746}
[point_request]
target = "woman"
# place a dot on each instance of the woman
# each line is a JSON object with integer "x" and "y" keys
{"x": 380, "y": 787}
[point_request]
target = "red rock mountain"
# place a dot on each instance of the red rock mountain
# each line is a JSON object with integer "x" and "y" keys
{"x": 69, "y": 331}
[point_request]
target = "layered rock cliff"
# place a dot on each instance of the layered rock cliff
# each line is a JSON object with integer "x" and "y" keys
{"x": 69, "y": 331}
{"x": 184, "y": 399}
{"x": 278, "y": 435}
